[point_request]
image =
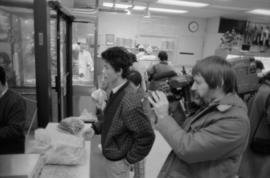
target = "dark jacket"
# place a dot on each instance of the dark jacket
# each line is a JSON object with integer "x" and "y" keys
{"x": 126, "y": 132}
{"x": 210, "y": 144}
{"x": 12, "y": 120}
{"x": 253, "y": 164}
{"x": 159, "y": 73}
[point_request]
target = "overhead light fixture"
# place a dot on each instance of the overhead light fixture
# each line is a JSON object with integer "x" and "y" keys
{"x": 182, "y": 3}
{"x": 123, "y": 6}
{"x": 168, "y": 10}
{"x": 120, "y": 6}
{"x": 260, "y": 12}
{"x": 141, "y": 8}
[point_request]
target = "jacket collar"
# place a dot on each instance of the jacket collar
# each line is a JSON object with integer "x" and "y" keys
{"x": 222, "y": 105}
{"x": 229, "y": 100}
{"x": 5, "y": 88}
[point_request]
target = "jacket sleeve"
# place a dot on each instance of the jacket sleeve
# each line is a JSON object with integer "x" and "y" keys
{"x": 220, "y": 138}
{"x": 16, "y": 121}
{"x": 142, "y": 131}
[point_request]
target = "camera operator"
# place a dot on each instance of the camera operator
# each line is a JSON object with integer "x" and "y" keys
{"x": 211, "y": 142}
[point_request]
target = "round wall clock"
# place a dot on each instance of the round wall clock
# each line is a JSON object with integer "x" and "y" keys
{"x": 193, "y": 26}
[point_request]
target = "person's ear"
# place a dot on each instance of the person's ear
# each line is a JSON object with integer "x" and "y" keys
{"x": 119, "y": 73}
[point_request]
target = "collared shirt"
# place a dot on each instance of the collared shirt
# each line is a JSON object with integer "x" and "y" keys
{"x": 115, "y": 89}
{"x": 3, "y": 92}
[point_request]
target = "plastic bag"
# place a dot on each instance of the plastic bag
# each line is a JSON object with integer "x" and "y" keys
{"x": 58, "y": 147}
{"x": 41, "y": 143}
{"x": 65, "y": 154}
{"x": 72, "y": 125}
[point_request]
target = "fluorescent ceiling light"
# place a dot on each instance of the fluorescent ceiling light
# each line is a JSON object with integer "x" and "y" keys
{"x": 123, "y": 6}
{"x": 182, "y": 3}
{"x": 139, "y": 8}
{"x": 260, "y": 12}
{"x": 120, "y": 6}
{"x": 126, "y": 6}
{"x": 167, "y": 10}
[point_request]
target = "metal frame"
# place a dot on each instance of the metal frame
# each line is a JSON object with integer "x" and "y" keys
{"x": 64, "y": 103}
{"x": 43, "y": 62}
{"x": 41, "y": 11}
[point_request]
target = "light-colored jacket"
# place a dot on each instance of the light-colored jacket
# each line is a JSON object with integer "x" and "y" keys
{"x": 210, "y": 144}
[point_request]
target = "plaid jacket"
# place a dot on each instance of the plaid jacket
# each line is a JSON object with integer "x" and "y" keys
{"x": 126, "y": 132}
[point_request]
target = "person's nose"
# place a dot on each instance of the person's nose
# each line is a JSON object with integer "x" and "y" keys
{"x": 193, "y": 87}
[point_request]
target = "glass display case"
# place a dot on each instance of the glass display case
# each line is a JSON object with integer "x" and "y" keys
{"x": 17, "y": 56}
{"x": 17, "y": 46}
{"x": 83, "y": 53}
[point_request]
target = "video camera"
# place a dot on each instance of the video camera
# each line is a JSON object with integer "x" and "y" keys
{"x": 176, "y": 88}
{"x": 179, "y": 87}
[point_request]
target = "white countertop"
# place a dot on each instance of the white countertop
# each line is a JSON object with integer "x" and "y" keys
{"x": 20, "y": 165}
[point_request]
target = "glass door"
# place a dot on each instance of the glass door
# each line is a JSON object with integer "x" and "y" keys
{"x": 59, "y": 57}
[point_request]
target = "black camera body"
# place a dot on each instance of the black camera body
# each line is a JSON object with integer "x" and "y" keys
{"x": 180, "y": 87}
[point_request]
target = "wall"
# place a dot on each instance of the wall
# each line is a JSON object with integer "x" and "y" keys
{"x": 212, "y": 37}
{"x": 156, "y": 29}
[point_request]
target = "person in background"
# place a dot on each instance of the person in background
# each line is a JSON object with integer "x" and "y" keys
{"x": 259, "y": 68}
{"x": 138, "y": 66}
{"x": 211, "y": 142}
{"x": 12, "y": 118}
{"x": 160, "y": 72}
{"x": 141, "y": 51}
{"x": 126, "y": 132}
{"x": 85, "y": 63}
{"x": 136, "y": 80}
{"x": 10, "y": 74}
{"x": 256, "y": 164}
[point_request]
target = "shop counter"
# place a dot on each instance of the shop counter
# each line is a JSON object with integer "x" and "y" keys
{"x": 20, "y": 165}
{"x": 62, "y": 171}
{"x": 59, "y": 171}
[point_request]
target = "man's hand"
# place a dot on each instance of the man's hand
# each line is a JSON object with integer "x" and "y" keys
{"x": 160, "y": 104}
{"x": 87, "y": 132}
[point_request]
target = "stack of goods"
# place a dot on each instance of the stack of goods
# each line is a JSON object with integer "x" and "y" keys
{"x": 72, "y": 125}
{"x": 63, "y": 146}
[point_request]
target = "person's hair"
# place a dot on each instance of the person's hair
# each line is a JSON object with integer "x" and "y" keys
{"x": 2, "y": 76}
{"x": 5, "y": 57}
{"x": 259, "y": 64}
{"x": 118, "y": 58}
{"x": 163, "y": 56}
{"x": 252, "y": 59}
{"x": 132, "y": 57}
{"x": 135, "y": 77}
{"x": 217, "y": 72}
